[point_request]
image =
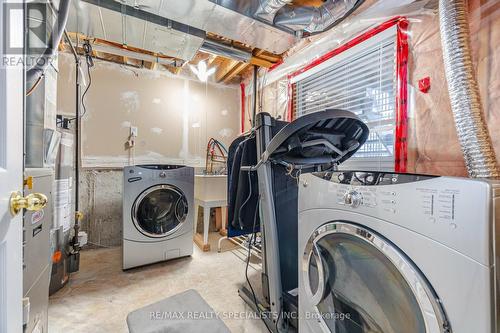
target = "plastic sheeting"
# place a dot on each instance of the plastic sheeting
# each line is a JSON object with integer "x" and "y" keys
{"x": 433, "y": 146}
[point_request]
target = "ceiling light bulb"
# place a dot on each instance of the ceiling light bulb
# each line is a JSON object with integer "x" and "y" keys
{"x": 193, "y": 69}
{"x": 202, "y": 67}
{"x": 201, "y": 71}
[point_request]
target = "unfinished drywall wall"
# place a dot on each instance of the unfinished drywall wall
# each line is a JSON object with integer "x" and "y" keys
{"x": 174, "y": 116}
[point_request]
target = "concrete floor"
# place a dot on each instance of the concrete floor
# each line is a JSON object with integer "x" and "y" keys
{"x": 99, "y": 297}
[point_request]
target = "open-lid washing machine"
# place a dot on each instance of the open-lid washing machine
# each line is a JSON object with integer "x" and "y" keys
{"x": 389, "y": 253}
{"x": 263, "y": 171}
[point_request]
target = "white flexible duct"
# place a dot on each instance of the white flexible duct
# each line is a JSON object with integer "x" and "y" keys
{"x": 464, "y": 91}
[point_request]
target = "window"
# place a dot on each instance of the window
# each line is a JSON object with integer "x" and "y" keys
{"x": 361, "y": 79}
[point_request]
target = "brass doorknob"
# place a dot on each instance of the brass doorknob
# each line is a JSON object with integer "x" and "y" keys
{"x": 32, "y": 202}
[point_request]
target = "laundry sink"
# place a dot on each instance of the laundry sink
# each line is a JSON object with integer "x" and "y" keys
{"x": 210, "y": 187}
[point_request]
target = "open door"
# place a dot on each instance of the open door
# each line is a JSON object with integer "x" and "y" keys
{"x": 11, "y": 166}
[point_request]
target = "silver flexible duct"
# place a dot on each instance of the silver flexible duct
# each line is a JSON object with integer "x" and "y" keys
{"x": 313, "y": 19}
{"x": 464, "y": 91}
{"x": 268, "y": 9}
{"x": 330, "y": 12}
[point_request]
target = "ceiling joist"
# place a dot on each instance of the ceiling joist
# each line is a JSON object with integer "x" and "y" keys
{"x": 224, "y": 68}
{"x": 228, "y": 70}
{"x": 233, "y": 72}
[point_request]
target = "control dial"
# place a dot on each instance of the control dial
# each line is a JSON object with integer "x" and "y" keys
{"x": 353, "y": 198}
{"x": 163, "y": 174}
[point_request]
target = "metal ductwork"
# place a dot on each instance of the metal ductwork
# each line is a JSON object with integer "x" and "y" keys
{"x": 231, "y": 19}
{"x": 178, "y": 28}
{"x": 127, "y": 25}
{"x": 315, "y": 20}
{"x": 35, "y": 72}
{"x": 268, "y": 9}
{"x": 464, "y": 91}
{"x": 219, "y": 49}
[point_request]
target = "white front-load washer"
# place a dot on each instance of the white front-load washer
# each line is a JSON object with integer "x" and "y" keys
{"x": 397, "y": 253}
{"x": 158, "y": 213}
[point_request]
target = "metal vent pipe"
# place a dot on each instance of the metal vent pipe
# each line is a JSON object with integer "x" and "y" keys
{"x": 213, "y": 47}
{"x": 464, "y": 91}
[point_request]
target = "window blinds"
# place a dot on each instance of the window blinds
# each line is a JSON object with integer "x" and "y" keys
{"x": 364, "y": 83}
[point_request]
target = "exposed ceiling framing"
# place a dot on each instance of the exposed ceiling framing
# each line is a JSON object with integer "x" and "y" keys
{"x": 228, "y": 71}
{"x": 157, "y": 35}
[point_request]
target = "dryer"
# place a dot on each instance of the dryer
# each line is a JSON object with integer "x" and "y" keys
{"x": 391, "y": 253}
{"x": 158, "y": 213}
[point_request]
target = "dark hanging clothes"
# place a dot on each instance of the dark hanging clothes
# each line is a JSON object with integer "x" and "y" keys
{"x": 243, "y": 190}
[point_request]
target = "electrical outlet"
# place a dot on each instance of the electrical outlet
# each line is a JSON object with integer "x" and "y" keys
{"x": 133, "y": 131}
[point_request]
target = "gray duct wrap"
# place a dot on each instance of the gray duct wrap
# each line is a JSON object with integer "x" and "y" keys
{"x": 464, "y": 91}
{"x": 268, "y": 9}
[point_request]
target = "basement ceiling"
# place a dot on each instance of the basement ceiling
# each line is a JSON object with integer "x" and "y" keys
{"x": 127, "y": 34}
{"x": 174, "y": 32}
{"x": 114, "y": 26}
{"x": 212, "y": 16}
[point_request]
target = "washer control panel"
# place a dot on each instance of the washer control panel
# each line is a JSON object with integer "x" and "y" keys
{"x": 353, "y": 198}
{"x": 456, "y": 212}
{"x": 364, "y": 189}
{"x": 370, "y": 178}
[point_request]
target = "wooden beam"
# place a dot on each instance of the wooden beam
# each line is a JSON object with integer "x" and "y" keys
{"x": 100, "y": 41}
{"x": 269, "y": 57}
{"x": 224, "y": 68}
{"x": 172, "y": 69}
{"x": 260, "y": 62}
{"x": 235, "y": 71}
{"x": 263, "y": 58}
{"x": 150, "y": 65}
{"x": 62, "y": 46}
{"x": 211, "y": 60}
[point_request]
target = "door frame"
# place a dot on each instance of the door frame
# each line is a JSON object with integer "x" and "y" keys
{"x": 12, "y": 91}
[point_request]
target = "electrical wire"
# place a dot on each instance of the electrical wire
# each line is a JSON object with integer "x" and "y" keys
{"x": 240, "y": 146}
{"x": 87, "y": 88}
{"x": 37, "y": 83}
{"x": 248, "y": 264}
{"x": 87, "y": 48}
{"x": 278, "y": 321}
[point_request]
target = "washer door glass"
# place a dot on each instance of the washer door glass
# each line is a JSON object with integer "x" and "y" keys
{"x": 160, "y": 210}
{"x": 356, "y": 288}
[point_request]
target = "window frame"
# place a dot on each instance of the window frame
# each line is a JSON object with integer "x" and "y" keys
{"x": 400, "y": 25}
